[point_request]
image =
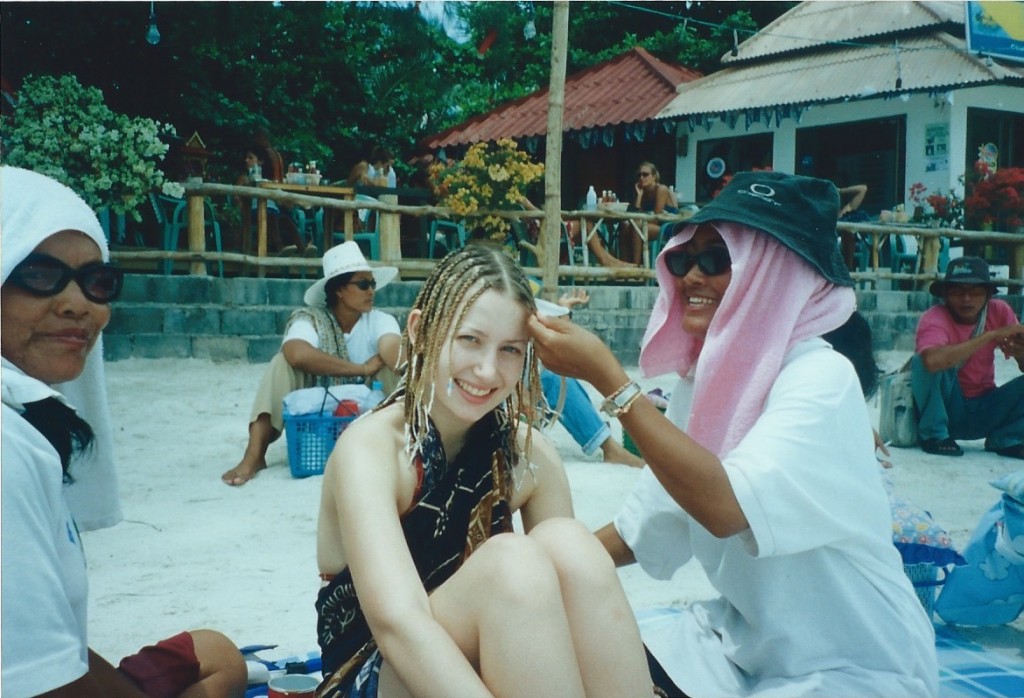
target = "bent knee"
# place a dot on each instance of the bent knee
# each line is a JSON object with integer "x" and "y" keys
{"x": 218, "y": 655}
{"x": 573, "y": 548}
{"x": 516, "y": 567}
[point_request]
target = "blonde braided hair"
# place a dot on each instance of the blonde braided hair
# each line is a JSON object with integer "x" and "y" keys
{"x": 443, "y": 301}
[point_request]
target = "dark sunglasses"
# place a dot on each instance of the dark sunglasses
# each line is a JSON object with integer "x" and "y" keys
{"x": 711, "y": 262}
{"x": 43, "y": 275}
{"x": 364, "y": 284}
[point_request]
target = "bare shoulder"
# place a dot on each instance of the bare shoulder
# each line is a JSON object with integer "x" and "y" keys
{"x": 372, "y": 442}
{"x": 540, "y": 470}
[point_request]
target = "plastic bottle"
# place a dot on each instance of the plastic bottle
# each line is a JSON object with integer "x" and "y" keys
{"x": 374, "y": 398}
{"x": 591, "y": 199}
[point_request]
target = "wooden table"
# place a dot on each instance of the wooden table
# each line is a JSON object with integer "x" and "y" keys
{"x": 328, "y": 191}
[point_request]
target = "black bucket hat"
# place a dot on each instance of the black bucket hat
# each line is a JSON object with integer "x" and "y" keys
{"x": 966, "y": 271}
{"x": 799, "y": 212}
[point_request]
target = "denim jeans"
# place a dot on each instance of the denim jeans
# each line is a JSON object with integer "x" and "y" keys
{"x": 943, "y": 411}
{"x": 579, "y": 417}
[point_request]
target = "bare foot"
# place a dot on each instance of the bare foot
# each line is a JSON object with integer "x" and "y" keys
{"x": 243, "y": 472}
{"x": 614, "y": 452}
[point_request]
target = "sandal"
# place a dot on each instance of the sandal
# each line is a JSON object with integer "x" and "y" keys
{"x": 941, "y": 447}
{"x": 1012, "y": 451}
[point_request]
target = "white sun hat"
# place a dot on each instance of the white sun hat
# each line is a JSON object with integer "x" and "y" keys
{"x": 346, "y": 258}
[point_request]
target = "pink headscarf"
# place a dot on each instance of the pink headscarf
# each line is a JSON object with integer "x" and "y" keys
{"x": 774, "y": 300}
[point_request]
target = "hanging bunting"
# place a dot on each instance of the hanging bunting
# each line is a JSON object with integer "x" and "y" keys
{"x": 608, "y": 136}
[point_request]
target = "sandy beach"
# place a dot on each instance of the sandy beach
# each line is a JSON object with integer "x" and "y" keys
{"x": 193, "y": 552}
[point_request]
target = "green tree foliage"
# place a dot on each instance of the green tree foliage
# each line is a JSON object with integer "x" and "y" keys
{"x": 332, "y": 79}
{"x": 66, "y": 131}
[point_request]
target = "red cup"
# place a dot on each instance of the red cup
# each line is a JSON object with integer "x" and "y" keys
{"x": 292, "y": 686}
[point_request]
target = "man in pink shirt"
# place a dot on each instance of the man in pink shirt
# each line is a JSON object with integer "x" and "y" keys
{"x": 953, "y": 368}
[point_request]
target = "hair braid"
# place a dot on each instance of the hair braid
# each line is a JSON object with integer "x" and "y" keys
{"x": 443, "y": 301}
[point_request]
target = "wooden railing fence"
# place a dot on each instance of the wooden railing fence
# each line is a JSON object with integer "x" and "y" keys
{"x": 390, "y": 212}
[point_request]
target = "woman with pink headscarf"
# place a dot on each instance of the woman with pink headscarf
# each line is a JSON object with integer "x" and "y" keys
{"x": 762, "y": 467}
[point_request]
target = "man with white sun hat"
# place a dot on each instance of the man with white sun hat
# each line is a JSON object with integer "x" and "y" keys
{"x": 337, "y": 338}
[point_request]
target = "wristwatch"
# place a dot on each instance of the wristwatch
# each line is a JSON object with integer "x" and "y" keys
{"x": 621, "y": 400}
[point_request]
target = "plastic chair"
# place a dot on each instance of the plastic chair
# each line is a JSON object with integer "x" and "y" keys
{"x": 904, "y": 253}
{"x": 309, "y": 224}
{"x": 369, "y": 222}
{"x": 172, "y": 216}
{"x": 454, "y": 235}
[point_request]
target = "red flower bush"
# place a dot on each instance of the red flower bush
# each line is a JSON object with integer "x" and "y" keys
{"x": 997, "y": 199}
{"x": 917, "y": 190}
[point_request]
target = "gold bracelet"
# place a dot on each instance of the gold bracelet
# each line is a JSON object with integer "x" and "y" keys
{"x": 621, "y": 400}
{"x": 629, "y": 404}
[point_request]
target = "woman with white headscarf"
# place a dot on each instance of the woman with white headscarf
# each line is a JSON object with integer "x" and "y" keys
{"x": 57, "y": 287}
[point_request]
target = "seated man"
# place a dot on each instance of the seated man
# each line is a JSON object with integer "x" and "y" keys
{"x": 953, "y": 369}
{"x": 339, "y": 338}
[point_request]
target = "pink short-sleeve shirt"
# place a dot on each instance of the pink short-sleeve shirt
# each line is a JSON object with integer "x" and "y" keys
{"x": 936, "y": 328}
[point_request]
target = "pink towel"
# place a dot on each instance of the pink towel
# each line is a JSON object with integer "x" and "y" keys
{"x": 774, "y": 301}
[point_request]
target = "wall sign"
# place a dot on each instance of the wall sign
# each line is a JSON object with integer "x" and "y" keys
{"x": 936, "y": 147}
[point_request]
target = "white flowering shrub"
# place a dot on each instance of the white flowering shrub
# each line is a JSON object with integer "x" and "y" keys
{"x": 65, "y": 131}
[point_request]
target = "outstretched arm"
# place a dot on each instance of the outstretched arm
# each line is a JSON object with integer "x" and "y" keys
{"x": 308, "y": 359}
{"x": 942, "y": 358}
{"x": 691, "y": 474}
{"x": 856, "y": 193}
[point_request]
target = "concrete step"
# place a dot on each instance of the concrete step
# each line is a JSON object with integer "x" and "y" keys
{"x": 243, "y": 318}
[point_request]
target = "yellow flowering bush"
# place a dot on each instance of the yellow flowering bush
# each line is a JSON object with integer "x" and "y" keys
{"x": 491, "y": 177}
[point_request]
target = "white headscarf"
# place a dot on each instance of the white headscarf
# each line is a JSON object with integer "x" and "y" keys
{"x": 35, "y": 207}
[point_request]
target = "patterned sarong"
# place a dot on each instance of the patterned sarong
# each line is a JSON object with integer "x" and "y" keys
{"x": 460, "y": 505}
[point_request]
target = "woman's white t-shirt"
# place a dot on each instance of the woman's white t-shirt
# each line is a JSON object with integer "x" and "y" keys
{"x": 361, "y": 343}
{"x": 814, "y": 600}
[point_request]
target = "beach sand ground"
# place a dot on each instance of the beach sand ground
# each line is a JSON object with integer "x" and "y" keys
{"x": 193, "y": 552}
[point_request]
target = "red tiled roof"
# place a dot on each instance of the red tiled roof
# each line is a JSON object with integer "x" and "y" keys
{"x": 629, "y": 88}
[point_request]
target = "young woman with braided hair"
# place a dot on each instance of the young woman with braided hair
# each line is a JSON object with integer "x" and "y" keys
{"x": 427, "y": 590}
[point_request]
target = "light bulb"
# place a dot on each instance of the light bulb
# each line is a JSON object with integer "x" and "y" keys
{"x": 529, "y": 30}
{"x": 153, "y": 35}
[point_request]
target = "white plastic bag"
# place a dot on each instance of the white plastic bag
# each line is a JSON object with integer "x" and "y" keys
{"x": 897, "y": 417}
{"x": 317, "y": 401}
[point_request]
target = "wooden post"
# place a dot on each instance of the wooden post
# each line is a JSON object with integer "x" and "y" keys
{"x": 261, "y": 235}
{"x": 551, "y": 230}
{"x": 196, "y": 232}
{"x": 390, "y": 232}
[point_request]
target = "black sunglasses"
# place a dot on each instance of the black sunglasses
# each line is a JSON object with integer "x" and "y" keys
{"x": 43, "y": 275}
{"x": 711, "y": 262}
{"x": 364, "y": 284}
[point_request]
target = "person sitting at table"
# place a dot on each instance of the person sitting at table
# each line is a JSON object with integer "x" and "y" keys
{"x": 651, "y": 197}
{"x": 338, "y": 338}
{"x": 850, "y": 199}
{"x": 255, "y": 161}
{"x": 382, "y": 170}
{"x": 596, "y": 244}
{"x": 359, "y": 175}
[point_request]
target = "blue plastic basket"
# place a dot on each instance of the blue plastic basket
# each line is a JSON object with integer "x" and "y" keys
{"x": 925, "y": 578}
{"x": 311, "y": 439}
